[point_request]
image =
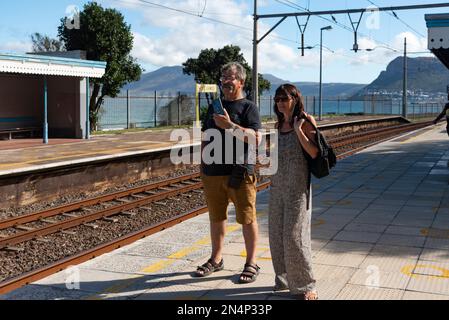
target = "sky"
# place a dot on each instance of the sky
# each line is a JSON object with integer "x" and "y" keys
{"x": 169, "y": 35}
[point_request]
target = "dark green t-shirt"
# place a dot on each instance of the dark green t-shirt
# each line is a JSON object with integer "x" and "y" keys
{"x": 242, "y": 112}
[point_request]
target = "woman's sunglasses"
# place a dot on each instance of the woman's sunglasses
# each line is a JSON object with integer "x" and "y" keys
{"x": 282, "y": 99}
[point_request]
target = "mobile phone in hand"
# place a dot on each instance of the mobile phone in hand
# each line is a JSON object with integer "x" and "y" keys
{"x": 218, "y": 106}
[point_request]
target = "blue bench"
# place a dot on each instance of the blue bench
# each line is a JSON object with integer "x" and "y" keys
{"x": 19, "y": 124}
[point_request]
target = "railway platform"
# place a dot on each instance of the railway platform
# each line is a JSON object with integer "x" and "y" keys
{"x": 31, "y": 172}
{"x": 380, "y": 230}
{"x": 27, "y": 155}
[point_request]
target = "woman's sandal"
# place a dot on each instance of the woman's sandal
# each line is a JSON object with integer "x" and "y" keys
{"x": 250, "y": 273}
{"x": 208, "y": 268}
{"x": 309, "y": 295}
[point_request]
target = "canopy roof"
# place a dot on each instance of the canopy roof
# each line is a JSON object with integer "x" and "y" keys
{"x": 48, "y": 65}
{"x": 438, "y": 36}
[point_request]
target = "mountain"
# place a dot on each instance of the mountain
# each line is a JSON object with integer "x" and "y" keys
{"x": 171, "y": 79}
{"x": 312, "y": 88}
{"x": 342, "y": 90}
{"x": 164, "y": 80}
{"x": 275, "y": 82}
{"x": 426, "y": 74}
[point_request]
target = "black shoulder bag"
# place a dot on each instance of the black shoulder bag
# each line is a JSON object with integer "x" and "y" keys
{"x": 320, "y": 166}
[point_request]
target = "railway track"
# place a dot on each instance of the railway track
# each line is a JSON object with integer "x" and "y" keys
{"x": 35, "y": 275}
{"x": 81, "y": 212}
{"x": 37, "y": 225}
{"x": 347, "y": 145}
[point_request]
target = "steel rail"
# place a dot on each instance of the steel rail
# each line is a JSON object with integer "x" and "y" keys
{"x": 8, "y": 223}
{"x": 367, "y": 135}
{"x": 346, "y": 154}
{"x": 77, "y": 221}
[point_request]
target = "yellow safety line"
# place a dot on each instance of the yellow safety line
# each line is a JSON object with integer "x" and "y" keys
{"x": 263, "y": 249}
{"x": 57, "y": 158}
{"x": 435, "y": 233}
{"x": 419, "y": 133}
{"x": 80, "y": 154}
{"x": 183, "y": 252}
{"x": 409, "y": 139}
{"x": 160, "y": 265}
{"x": 408, "y": 270}
{"x": 317, "y": 222}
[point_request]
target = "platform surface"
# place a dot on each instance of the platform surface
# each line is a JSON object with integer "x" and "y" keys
{"x": 380, "y": 231}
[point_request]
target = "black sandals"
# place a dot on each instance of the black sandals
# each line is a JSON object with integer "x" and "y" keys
{"x": 209, "y": 267}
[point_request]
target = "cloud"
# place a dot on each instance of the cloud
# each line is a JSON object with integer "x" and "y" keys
{"x": 16, "y": 47}
{"x": 364, "y": 57}
{"x": 414, "y": 43}
{"x": 184, "y": 35}
{"x": 382, "y": 52}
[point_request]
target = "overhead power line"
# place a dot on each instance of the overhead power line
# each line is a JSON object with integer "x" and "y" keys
{"x": 393, "y": 14}
{"x": 297, "y": 6}
{"x": 204, "y": 8}
{"x": 195, "y": 14}
{"x": 360, "y": 10}
{"x": 333, "y": 20}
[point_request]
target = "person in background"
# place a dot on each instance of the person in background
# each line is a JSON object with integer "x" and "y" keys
{"x": 443, "y": 113}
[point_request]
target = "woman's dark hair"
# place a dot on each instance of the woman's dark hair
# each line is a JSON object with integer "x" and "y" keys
{"x": 291, "y": 91}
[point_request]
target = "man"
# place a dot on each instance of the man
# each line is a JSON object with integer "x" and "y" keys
{"x": 443, "y": 113}
{"x": 221, "y": 180}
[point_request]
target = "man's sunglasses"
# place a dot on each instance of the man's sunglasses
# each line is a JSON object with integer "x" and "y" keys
{"x": 282, "y": 99}
{"x": 228, "y": 78}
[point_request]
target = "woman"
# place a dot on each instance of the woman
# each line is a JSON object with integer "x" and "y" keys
{"x": 443, "y": 113}
{"x": 290, "y": 196}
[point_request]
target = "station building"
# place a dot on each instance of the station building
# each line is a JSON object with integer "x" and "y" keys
{"x": 46, "y": 95}
{"x": 438, "y": 36}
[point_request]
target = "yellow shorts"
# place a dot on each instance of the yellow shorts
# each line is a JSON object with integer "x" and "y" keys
{"x": 218, "y": 195}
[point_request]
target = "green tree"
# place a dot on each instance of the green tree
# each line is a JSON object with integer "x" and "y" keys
{"x": 43, "y": 43}
{"x": 206, "y": 68}
{"x": 105, "y": 36}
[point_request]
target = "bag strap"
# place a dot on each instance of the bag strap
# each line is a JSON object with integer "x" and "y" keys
{"x": 317, "y": 133}
{"x": 307, "y": 119}
{"x": 309, "y": 175}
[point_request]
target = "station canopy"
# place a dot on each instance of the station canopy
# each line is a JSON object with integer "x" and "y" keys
{"x": 438, "y": 36}
{"x": 52, "y": 66}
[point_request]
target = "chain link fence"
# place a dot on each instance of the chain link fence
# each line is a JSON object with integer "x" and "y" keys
{"x": 158, "y": 109}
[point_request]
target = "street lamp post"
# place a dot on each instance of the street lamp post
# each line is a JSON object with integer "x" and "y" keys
{"x": 321, "y": 72}
{"x": 404, "y": 82}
